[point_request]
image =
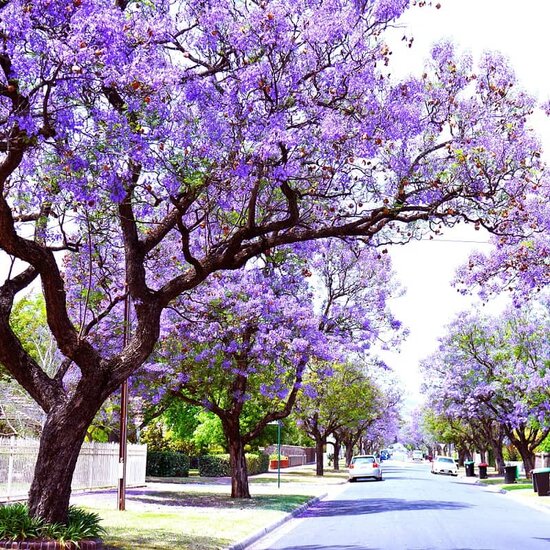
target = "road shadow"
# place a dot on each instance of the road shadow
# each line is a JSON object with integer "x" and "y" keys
{"x": 331, "y": 547}
{"x": 329, "y": 508}
{"x": 354, "y": 547}
{"x": 286, "y": 503}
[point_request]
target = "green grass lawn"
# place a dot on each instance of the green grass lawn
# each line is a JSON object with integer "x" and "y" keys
{"x": 522, "y": 483}
{"x": 199, "y": 514}
{"x": 517, "y": 486}
{"x": 209, "y": 525}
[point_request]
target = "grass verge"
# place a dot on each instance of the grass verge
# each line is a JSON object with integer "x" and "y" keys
{"x": 522, "y": 483}
{"x": 192, "y": 528}
{"x": 198, "y": 513}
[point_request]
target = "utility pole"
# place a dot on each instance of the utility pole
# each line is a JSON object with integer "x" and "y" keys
{"x": 123, "y": 443}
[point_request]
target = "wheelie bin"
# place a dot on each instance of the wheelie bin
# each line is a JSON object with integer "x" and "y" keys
{"x": 483, "y": 470}
{"x": 469, "y": 467}
{"x": 510, "y": 473}
{"x": 541, "y": 481}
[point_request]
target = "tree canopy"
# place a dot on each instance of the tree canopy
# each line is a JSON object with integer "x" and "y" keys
{"x": 495, "y": 370}
{"x": 145, "y": 146}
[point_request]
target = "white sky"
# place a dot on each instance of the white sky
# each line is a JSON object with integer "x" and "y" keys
{"x": 520, "y": 30}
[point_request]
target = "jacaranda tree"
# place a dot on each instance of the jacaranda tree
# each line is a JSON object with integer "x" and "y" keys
{"x": 146, "y": 145}
{"x": 494, "y": 371}
{"x": 239, "y": 347}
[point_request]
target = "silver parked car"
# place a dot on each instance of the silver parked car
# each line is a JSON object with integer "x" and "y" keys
{"x": 364, "y": 466}
{"x": 444, "y": 465}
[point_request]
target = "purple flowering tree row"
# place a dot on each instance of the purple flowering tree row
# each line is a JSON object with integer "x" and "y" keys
{"x": 250, "y": 344}
{"x": 145, "y": 146}
{"x": 491, "y": 375}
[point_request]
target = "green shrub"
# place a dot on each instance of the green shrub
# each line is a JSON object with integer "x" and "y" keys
{"x": 214, "y": 466}
{"x": 17, "y": 524}
{"x": 510, "y": 453}
{"x": 544, "y": 447}
{"x": 167, "y": 464}
{"x": 275, "y": 456}
{"x": 257, "y": 463}
{"x": 219, "y": 465}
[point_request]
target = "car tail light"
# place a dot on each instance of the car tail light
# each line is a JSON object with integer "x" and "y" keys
{"x": 375, "y": 464}
{"x": 350, "y": 466}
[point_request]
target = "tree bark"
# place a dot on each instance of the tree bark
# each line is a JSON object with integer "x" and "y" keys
{"x": 336, "y": 460}
{"x": 499, "y": 458}
{"x": 521, "y": 438}
{"x": 239, "y": 470}
{"x": 319, "y": 448}
{"x": 349, "y": 454}
{"x": 62, "y": 437}
{"x": 527, "y": 456}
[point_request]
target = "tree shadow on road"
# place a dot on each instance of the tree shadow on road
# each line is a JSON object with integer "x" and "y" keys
{"x": 362, "y": 547}
{"x": 332, "y": 547}
{"x": 329, "y": 508}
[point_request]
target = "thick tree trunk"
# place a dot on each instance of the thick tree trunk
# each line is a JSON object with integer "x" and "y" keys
{"x": 239, "y": 470}
{"x": 319, "y": 448}
{"x": 336, "y": 460}
{"x": 499, "y": 458}
{"x": 349, "y": 454}
{"x": 521, "y": 442}
{"x": 60, "y": 443}
{"x": 527, "y": 456}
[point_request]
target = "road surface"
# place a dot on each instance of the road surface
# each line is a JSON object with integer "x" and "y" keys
{"x": 413, "y": 509}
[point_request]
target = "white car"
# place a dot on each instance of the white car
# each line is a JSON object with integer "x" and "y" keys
{"x": 364, "y": 466}
{"x": 417, "y": 455}
{"x": 444, "y": 465}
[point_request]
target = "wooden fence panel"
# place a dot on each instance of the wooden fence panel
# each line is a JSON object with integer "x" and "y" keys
{"x": 97, "y": 466}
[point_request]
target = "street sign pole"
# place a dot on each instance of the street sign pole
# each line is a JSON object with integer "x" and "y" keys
{"x": 123, "y": 446}
{"x": 279, "y": 422}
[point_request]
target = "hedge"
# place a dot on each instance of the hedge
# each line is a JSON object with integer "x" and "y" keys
{"x": 167, "y": 464}
{"x": 257, "y": 463}
{"x": 219, "y": 465}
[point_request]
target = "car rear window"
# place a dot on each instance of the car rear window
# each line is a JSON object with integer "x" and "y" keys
{"x": 363, "y": 460}
{"x": 446, "y": 460}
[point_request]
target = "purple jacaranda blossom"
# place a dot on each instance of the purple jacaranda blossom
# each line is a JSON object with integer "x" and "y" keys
{"x": 147, "y": 146}
{"x": 494, "y": 369}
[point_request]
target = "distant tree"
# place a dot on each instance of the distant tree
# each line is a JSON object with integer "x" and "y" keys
{"x": 494, "y": 370}
{"x": 331, "y": 403}
{"x": 379, "y": 424}
{"x": 19, "y": 413}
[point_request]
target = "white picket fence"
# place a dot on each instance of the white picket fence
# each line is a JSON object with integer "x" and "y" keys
{"x": 97, "y": 466}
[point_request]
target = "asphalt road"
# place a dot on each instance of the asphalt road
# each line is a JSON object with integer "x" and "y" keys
{"x": 413, "y": 510}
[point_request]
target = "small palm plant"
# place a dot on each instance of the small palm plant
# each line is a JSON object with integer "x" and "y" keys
{"x": 17, "y": 524}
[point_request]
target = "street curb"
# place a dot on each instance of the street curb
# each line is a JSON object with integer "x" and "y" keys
{"x": 243, "y": 544}
{"x": 528, "y": 503}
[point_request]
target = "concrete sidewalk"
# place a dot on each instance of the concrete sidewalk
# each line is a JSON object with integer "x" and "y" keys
{"x": 527, "y": 497}
{"x": 158, "y": 492}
